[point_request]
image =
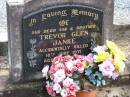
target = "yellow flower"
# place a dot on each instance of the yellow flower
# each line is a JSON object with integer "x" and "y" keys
{"x": 87, "y": 64}
{"x": 111, "y": 45}
{"x": 120, "y": 54}
{"x": 119, "y": 64}
{"x": 115, "y": 50}
{"x": 102, "y": 56}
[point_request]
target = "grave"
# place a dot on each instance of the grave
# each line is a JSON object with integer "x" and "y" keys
{"x": 41, "y": 29}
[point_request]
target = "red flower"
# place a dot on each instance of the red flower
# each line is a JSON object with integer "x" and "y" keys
{"x": 79, "y": 65}
{"x": 67, "y": 58}
{"x": 80, "y": 57}
{"x": 50, "y": 89}
{"x": 57, "y": 59}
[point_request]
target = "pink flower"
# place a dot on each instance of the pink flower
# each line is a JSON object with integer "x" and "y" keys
{"x": 57, "y": 88}
{"x": 69, "y": 65}
{"x": 67, "y": 82}
{"x": 80, "y": 57}
{"x": 64, "y": 93}
{"x": 59, "y": 66}
{"x": 67, "y": 58}
{"x": 68, "y": 72}
{"x": 72, "y": 89}
{"x": 59, "y": 76}
{"x": 107, "y": 68}
{"x": 69, "y": 68}
{"x": 57, "y": 59}
{"x": 89, "y": 58}
{"x": 115, "y": 76}
{"x": 70, "y": 86}
{"x": 79, "y": 66}
{"x": 50, "y": 90}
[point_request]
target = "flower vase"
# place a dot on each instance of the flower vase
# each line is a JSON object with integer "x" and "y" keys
{"x": 86, "y": 93}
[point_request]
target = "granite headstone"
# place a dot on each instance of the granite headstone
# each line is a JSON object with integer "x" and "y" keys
{"x": 44, "y": 29}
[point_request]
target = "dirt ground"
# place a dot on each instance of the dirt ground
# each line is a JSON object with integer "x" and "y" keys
{"x": 121, "y": 36}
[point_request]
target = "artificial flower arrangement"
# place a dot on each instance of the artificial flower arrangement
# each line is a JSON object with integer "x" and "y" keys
{"x": 104, "y": 62}
{"x": 62, "y": 72}
{"x": 66, "y": 73}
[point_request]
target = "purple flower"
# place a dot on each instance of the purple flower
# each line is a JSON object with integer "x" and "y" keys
{"x": 88, "y": 59}
{"x": 115, "y": 76}
{"x": 107, "y": 68}
{"x": 100, "y": 49}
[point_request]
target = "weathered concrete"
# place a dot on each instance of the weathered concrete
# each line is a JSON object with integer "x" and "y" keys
{"x": 14, "y": 13}
{"x": 121, "y": 37}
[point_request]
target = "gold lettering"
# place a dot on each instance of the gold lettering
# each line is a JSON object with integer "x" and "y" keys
{"x": 48, "y": 15}
{"x": 77, "y": 52}
{"x": 63, "y": 29}
{"x": 79, "y": 33}
{"x": 96, "y": 17}
{"x": 52, "y": 36}
{"x": 51, "y": 54}
{"x": 49, "y": 31}
{"x": 76, "y": 12}
{"x": 44, "y": 17}
{"x": 89, "y": 14}
{"x": 65, "y": 53}
{"x": 80, "y": 46}
{"x": 53, "y": 49}
{"x": 63, "y": 23}
{"x": 48, "y": 55}
{"x": 47, "y": 60}
{"x": 53, "y": 14}
{"x": 32, "y": 22}
{"x": 64, "y": 42}
{"x": 35, "y": 32}
{"x": 71, "y": 29}
{"x": 64, "y": 13}
{"x": 88, "y": 26}
{"x": 83, "y": 12}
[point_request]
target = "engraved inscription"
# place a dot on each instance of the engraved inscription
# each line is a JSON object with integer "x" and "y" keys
{"x": 65, "y": 29}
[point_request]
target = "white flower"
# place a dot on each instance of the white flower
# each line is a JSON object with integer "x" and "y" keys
{"x": 45, "y": 71}
{"x": 64, "y": 93}
{"x": 100, "y": 49}
{"x": 69, "y": 65}
{"x": 57, "y": 88}
{"x": 59, "y": 76}
{"x": 67, "y": 82}
{"x": 107, "y": 68}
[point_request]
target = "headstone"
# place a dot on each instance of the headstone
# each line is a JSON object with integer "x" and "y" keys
{"x": 41, "y": 29}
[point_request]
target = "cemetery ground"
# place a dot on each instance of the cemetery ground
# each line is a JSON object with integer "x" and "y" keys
{"x": 118, "y": 88}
